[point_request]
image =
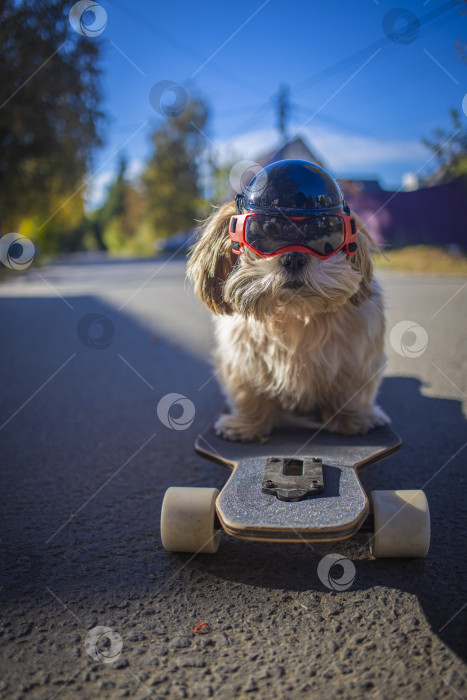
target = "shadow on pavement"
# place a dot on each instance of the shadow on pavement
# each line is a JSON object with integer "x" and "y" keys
{"x": 86, "y": 463}
{"x": 432, "y": 431}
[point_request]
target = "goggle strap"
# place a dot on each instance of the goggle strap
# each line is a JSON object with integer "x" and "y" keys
{"x": 238, "y": 204}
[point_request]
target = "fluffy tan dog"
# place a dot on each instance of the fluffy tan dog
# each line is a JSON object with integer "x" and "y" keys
{"x": 292, "y": 338}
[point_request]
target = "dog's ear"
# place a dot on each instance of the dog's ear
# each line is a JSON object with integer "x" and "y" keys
{"x": 211, "y": 259}
{"x": 366, "y": 247}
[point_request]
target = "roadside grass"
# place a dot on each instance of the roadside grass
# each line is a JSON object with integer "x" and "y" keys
{"x": 417, "y": 259}
{"x": 422, "y": 259}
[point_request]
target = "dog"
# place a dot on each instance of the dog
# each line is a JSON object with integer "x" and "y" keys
{"x": 292, "y": 337}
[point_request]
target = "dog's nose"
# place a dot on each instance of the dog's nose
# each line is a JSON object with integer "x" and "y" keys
{"x": 293, "y": 261}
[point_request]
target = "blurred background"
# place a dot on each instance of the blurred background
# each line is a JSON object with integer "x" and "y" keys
{"x": 122, "y": 122}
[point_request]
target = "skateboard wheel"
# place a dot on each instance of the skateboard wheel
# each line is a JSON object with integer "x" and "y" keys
{"x": 402, "y": 524}
{"x": 187, "y": 520}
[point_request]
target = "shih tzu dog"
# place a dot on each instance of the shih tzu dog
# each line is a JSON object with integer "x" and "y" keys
{"x": 299, "y": 321}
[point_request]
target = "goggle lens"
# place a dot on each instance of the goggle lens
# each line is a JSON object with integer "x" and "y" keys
{"x": 321, "y": 234}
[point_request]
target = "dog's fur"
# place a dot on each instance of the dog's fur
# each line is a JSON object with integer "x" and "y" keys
{"x": 292, "y": 340}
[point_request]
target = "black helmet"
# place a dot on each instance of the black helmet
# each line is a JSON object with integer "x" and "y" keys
{"x": 292, "y": 188}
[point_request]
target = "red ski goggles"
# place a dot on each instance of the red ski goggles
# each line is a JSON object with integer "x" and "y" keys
{"x": 320, "y": 235}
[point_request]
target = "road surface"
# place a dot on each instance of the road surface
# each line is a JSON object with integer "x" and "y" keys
{"x": 89, "y": 347}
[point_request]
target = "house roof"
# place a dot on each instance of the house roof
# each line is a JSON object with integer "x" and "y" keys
{"x": 296, "y": 148}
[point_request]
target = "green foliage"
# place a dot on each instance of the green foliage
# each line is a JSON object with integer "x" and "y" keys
{"x": 118, "y": 242}
{"x": 172, "y": 177}
{"x": 49, "y": 120}
{"x": 220, "y": 175}
{"x": 450, "y": 149}
{"x": 118, "y": 225}
{"x": 423, "y": 259}
{"x": 115, "y": 204}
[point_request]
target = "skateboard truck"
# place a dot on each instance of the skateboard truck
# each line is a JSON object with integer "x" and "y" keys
{"x": 293, "y": 479}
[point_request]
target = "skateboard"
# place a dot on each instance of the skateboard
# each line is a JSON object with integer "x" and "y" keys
{"x": 301, "y": 485}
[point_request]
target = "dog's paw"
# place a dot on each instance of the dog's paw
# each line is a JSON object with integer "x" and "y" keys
{"x": 358, "y": 423}
{"x": 236, "y": 429}
{"x": 378, "y": 417}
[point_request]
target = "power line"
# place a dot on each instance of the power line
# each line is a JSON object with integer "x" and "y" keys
{"x": 184, "y": 48}
{"x": 253, "y": 117}
{"x": 362, "y": 53}
{"x": 412, "y": 71}
{"x": 234, "y": 114}
{"x": 332, "y": 120}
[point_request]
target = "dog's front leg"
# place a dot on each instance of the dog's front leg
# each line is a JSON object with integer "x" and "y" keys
{"x": 252, "y": 417}
{"x": 356, "y": 414}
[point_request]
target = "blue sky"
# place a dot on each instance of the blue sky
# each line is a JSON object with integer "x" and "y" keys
{"x": 362, "y": 101}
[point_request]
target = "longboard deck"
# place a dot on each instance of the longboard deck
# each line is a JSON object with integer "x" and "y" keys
{"x": 337, "y": 513}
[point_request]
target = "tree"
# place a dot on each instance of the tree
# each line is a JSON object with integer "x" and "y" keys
{"x": 116, "y": 225}
{"x": 172, "y": 176}
{"x": 450, "y": 149}
{"x": 49, "y": 115}
{"x": 220, "y": 176}
{"x": 112, "y": 209}
{"x": 115, "y": 204}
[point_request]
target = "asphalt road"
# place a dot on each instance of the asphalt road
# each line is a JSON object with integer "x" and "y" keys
{"x": 85, "y": 463}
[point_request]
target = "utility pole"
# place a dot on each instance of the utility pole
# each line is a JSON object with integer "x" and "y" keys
{"x": 283, "y": 110}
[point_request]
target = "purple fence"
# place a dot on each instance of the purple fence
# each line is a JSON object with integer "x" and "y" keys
{"x": 432, "y": 215}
